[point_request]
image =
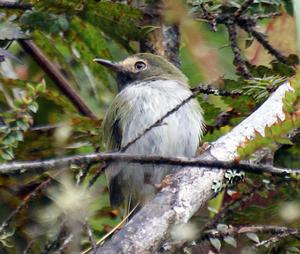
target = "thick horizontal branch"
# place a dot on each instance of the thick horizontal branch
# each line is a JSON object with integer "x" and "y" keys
{"x": 42, "y": 166}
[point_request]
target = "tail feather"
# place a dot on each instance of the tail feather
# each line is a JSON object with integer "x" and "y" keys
{"x": 116, "y": 197}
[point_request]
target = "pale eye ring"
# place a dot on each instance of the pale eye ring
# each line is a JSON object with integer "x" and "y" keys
{"x": 140, "y": 65}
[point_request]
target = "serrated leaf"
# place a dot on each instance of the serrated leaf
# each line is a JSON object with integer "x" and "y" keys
{"x": 283, "y": 141}
{"x": 216, "y": 243}
{"x": 253, "y": 237}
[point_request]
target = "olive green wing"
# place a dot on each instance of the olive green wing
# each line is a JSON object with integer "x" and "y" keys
{"x": 112, "y": 136}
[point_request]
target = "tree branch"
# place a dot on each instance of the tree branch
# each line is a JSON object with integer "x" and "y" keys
{"x": 24, "y": 202}
{"x": 52, "y": 164}
{"x": 229, "y": 207}
{"x": 208, "y": 89}
{"x": 261, "y": 38}
{"x": 191, "y": 187}
{"x": 237, "y": 230}
{"x": 61, "y": 82}
{"x": 238, "y": 61}
{"x": 243, "y": 8}
{"x": 15, "y": 5}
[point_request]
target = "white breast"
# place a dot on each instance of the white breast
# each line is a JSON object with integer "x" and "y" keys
{"x": 149, "y": 101}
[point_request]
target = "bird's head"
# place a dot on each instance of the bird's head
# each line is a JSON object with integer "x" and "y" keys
{"x": 141, "y": 67}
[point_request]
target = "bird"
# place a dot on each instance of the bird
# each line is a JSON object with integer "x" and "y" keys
{"x": 149, "y": 86}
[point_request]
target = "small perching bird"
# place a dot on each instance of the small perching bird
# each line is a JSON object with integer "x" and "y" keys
{"x": 149, "y": 86}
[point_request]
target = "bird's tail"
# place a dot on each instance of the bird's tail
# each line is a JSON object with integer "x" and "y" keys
{"x": 131, "y": 207}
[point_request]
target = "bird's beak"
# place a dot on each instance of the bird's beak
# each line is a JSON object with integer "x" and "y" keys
{"x": 109, "y": 64}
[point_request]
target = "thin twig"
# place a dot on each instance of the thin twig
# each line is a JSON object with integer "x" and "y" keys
{"x": 211, "y": 18}
{"x": 247, "y": 23}
{"x": 91, "y": 237}
{"x": 208, "y": 89}
{"x": 266, "y": 16}
{"x": 97, "y": 174}
{"x": 25, "y": 201}
{"x": 62, "y": 83}
{"x": 243, "y": 8}
{"x": 119, "y": 225}
{"x": 227, "y": 208}
{"x": 261, "y": 38}
{"x": 45, "y": 128}
{"x": 28, "y": 247}
{"x": 238, "y": 61}
{"x": 68, "y": 239}
{"x": 242, "y": 200}
{"x": 15, "y": 5}
{"x": 45, "y": 165}
{"x": 267, "y": 229}
{"x": 286, "y": 233}
{"x": 54, "y": 244}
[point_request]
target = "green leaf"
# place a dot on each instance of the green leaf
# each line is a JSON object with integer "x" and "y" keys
{"x": 253, "y": 237}
{"x": 31, "y": 89}
{"x": 216, "y": 243}
{"x": 41, "y": 87}
{"x": 231, "y": 241}
{"x": 293, "y": 250}
{"x": 22, "y": 125}
{"x": 33, "y": 106}
{"x": 19, "y": 136}
{"x": 9, "y": 139}
{"x": 7, "y": 154}
{"x": 216, "y": 203}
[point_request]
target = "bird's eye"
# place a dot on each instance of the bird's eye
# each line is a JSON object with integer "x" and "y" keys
{"x": 140, "y": 65}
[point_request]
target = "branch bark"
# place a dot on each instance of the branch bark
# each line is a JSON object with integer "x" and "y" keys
{"x": 191, "y": 187}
